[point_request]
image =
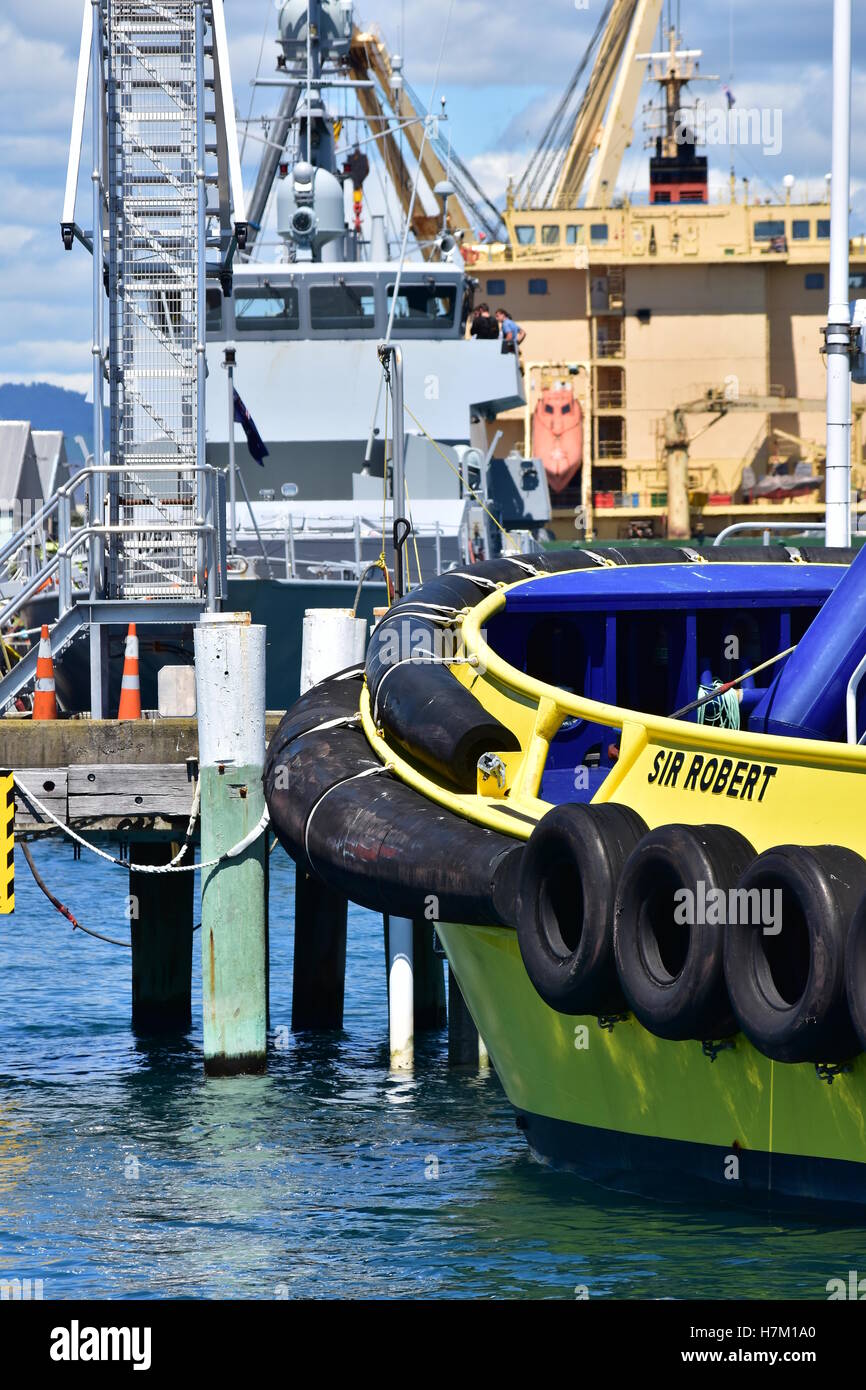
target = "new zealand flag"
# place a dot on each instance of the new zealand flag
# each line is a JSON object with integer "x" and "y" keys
{"x": 255, "y": 443}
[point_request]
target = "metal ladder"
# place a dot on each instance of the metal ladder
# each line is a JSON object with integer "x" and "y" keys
{"x": 153, "y": 526}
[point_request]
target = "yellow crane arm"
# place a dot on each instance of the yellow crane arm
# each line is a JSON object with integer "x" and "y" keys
{"x": 619, "y": 126}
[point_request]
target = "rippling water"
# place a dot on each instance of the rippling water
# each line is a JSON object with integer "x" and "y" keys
{"x": 124, "y": 1173}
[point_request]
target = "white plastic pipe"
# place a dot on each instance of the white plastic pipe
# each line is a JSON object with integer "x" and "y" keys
{"x": 838, "y": 465}
{"x": 333, "y": 638}
{"x": 401, "y": 1010}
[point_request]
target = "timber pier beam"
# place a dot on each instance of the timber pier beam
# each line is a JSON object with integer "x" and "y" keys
{"x": 125, "y": 783}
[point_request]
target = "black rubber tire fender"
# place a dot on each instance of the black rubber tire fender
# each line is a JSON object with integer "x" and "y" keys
{"x": 672, "y": 972}
{"x": 788, "y": 988}
{"x": 568, "y": 881}
{"x": 855, "y": 972}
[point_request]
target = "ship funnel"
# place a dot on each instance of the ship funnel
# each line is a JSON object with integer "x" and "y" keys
{"x": 807, "y": 697}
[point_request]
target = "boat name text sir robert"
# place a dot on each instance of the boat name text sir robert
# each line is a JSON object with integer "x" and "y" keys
{"x": 740, "y": 778}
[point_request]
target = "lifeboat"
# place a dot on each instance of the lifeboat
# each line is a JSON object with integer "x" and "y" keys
{"x": 557, "y": 435}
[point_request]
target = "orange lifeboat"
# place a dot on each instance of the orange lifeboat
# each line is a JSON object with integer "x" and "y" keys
{"x": 557, "y": 435}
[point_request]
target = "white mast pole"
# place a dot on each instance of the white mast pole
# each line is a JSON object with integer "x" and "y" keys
{"x": 838, "y": 466}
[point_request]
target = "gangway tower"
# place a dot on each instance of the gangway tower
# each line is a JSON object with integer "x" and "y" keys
{"x": 162, "y": 137}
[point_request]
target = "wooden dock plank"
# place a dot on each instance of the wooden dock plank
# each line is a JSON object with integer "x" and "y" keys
{"x": 129, "y": 789}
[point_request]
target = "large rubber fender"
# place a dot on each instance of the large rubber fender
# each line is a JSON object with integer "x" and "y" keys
{"x": 369, "y": 836}
{"x": 671, "y": 968}
{"x": 568, "y": 881}
{"x": 786, "y": 978}
{"x": 414, "y": 697}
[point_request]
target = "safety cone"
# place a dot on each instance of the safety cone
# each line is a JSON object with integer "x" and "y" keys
{"x": 130, "y": 686}
{"x": 44, "y": 700}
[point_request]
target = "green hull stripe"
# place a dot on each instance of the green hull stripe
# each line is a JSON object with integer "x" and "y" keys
{"x": 628, "y": 1081}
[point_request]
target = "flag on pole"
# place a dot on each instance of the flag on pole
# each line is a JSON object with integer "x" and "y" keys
{"x": 255, "y": 443}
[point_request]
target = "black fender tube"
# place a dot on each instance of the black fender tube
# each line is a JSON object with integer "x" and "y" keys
{"x": 370, "y": 836}
{"x": 413, "y": 695}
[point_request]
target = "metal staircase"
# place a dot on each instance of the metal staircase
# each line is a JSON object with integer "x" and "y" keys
{"x": 150, "y": 544}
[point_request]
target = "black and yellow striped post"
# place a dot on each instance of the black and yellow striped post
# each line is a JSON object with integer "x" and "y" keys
{"x": 7, "y": 850}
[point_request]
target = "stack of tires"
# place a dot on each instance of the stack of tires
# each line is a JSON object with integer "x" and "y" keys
{"x": 690, "y": 930}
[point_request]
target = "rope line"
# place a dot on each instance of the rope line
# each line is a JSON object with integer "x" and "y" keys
{"x": 172, "y": 868}
{"x": 456, "y": 471}
{"x": 366, "y": 772}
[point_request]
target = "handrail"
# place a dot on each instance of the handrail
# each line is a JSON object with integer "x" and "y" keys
{"x": 490, "y": 664}
{"x": 851, "y": 701}
{"x": 767, "y": 527}
{"x": 71, "y": 486}
{"x": 64, "y": 553}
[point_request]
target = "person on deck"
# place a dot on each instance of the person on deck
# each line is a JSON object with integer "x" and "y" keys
{"x": 482, "y": 325}
{"x": 512, "y": 333}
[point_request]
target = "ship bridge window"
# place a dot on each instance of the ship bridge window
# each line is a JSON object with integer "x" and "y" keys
{"x": 342, "y": 306}
{"x": 814, "y": 280}
{"x": 525, "y": 236}
{"x": 801, "y": 228}
{"x": 766, "y": 231}
{"x": 266, "y": 308}
{"x": 495, "y": 286}
{"x": 598, "y": 231}
{"x": 575, "y": 234}
{"x": 423, "y": 306}
{"x": 550, "y": 235}
{"x": 823, "y": 232}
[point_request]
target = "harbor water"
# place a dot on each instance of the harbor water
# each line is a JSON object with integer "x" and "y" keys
{"x": 125, "y": 1174}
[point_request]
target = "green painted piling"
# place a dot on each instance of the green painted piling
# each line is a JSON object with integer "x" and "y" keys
{"x": 230, "y": 693}
{"x": 160, "y": 909}
{"x": 234, "y": 944}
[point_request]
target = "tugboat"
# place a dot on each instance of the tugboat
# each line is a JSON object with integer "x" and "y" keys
{"x": 625, "y": 785}
{"x": 658, "y": 922}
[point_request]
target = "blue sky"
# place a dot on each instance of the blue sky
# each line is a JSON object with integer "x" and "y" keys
{"x": 506, "y": 62}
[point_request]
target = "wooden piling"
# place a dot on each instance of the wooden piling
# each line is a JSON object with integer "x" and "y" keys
{"x": 230, "y": 691}
{"x": 462, "y": 1033}
{"x": 319, "y": 970}
{"x": 160, "y": 913}
{"x": 431, "y": 1012}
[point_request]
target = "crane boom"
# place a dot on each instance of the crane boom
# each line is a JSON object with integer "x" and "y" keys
{"x": 618, "y": 128}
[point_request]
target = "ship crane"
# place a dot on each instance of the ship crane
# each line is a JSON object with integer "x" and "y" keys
{"x": 559, "y": 171}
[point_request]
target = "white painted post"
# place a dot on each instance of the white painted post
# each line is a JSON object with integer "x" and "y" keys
{"x": 401, "y": 1013}
{"x": 333, "y": 638}
{"x": 837, "y": 469}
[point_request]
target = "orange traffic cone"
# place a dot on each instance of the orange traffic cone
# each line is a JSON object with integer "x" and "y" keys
{"x": 44, "y": 700}
{"x": 130, "y": 686}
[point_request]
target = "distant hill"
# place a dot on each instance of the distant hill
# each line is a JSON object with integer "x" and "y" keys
{"x": 50, "y": 408}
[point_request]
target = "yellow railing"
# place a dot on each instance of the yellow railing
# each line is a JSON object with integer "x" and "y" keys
{"x": 819, "y": 804}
